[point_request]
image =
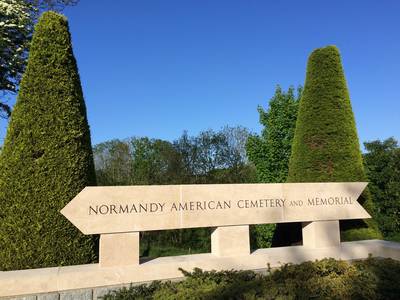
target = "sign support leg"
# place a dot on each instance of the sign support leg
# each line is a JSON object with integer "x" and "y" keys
{"x": 321, "y": 234}
{"x": 230, "y": 240}
{"x": 119, "y": 249}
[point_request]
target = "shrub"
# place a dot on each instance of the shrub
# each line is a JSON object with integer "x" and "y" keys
{"x": 47, "y": 157}
{"x": 270, "y": 151}
{"x": 382, "y": 164}
{"x": 372, "y": 278}
{"x": 325, "y": 145}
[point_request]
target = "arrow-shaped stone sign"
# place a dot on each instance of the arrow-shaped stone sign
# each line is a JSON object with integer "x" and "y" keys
{"x": 99, "y": 210}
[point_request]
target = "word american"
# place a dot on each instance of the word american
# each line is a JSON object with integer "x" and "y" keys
{"x": 160, "y": 207}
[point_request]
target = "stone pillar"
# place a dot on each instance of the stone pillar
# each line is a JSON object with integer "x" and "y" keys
{"x": 230, "y": 241}
{"x": 321, "y": 234}
{"x": 119, "y": 249}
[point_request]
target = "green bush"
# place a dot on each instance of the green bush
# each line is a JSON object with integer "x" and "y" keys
{"x": 358, "y": 234}
{"x": 47, "y": 158}
{"x": 325, "y": 145}
{"x": 270, "y": 151}
{"x": 382, "y": 164}
{"x": 175, "y": 242}
{"x": 372, "y": 278}
{"x": 261, "y": 235}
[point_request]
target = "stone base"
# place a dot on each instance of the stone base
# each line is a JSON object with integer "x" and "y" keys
{"x": 230, "y": 241}
{"x": 321, "y": 234}
{"x": 64, "y": 280}
{"x": 119, "y": 249}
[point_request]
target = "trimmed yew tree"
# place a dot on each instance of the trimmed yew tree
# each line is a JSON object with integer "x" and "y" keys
{"x": 325, "y": 146}
{"x": 47, "y": 157}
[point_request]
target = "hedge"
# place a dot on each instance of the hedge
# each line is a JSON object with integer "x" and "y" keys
{"x": 372, "y": 278}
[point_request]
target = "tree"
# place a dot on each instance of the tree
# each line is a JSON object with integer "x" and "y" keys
{"x": 47, "y": 157}
{"x": 382, "y": 164}
{"x": 16, "y": 27}
{"x": 215, "y": 157}
{"x": 17, "y": 18}
{"x": 209, "y": 157}
{"x": 270, "y": 152}
{"x": 325, "y": 145}
{"x": 54, "y": 5}
{"x": 155, "y": 162}
{"x": 137, "y": 161}
{"x": 113, "y": 163}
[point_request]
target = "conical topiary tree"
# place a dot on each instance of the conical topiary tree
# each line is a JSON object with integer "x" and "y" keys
{"x": 325, "y": 145}
{"x": 47, "y": 157}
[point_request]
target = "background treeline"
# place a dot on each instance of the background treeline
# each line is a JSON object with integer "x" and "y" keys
{"x": 221, "y": 157}
{"x": 209, "y": 157}
{"x": 382, "y": 165}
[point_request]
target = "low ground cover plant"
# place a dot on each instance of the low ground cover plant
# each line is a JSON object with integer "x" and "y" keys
{"x": 373, "y": 278}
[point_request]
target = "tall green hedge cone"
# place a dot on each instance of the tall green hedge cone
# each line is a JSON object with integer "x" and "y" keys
{"x": 325, "y": 146}
{"x": 47, "y": 157}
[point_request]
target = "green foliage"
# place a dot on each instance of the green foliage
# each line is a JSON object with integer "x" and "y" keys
{"x": 271, "y": 151}
{"x": 261, "y": 235}
{"x": 358, "y": 234}
{"x": 155, "y": 162}
{"x": 47, "y": 157}
{"x": 175, "y": 242}
{"x": 159, "y": 250}
{"x": 372, "y": 278}
{"x": 16, "y": 26}
{"x": 54, "y": 5}
{"x": 139, "y": 161}
{"x": 112, "y": 161}
{"x": 382, "y": 164}
{"x": 209, "y": 157}
{"x": 215, "y": 157}
{"x": 385, "y": 275}
{"x": 17, "y": 18}
{"x": 325, "y": 145}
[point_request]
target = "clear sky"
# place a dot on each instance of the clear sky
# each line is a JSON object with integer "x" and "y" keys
{"x": 155, "y": 68}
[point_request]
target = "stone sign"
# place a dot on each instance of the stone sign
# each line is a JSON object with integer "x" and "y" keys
{"x": 118, "y": 214}
{"x": 102, "y": 210}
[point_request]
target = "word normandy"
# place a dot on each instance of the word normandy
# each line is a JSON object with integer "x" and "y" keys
{"x": 160, "y": 207}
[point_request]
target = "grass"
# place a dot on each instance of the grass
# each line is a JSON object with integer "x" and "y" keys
{"x": 160, "y": 251}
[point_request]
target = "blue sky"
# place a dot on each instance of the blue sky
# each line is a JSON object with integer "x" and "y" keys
{"x": 155, "y": 68}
